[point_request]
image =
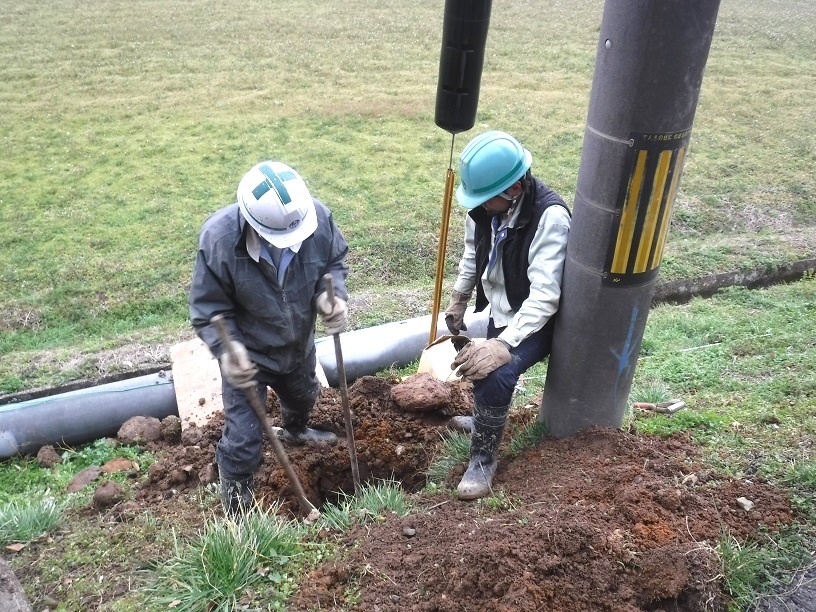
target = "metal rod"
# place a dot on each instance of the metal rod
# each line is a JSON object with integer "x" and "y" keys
{"x": 255, "y": 403}
{"x": 442, "y": 246}
{"x": 341, "y": 375}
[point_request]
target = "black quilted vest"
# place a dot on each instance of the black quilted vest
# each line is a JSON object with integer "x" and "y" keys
{"x": 516, "y": 246}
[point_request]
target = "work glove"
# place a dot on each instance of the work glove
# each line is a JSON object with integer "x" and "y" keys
{"x": 478, "y": 359}
{"x": 334, "y": 315}
{"x": 237, "y": 367}
{"x": 455, "y": 314}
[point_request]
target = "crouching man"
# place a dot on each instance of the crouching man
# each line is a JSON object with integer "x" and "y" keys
{"x": 515, "y": 247}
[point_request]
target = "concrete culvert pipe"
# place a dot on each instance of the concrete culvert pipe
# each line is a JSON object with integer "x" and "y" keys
{"x": 373, "y": 349}
{"x": 87, "y": 414}
{"x": 83, "y": 415}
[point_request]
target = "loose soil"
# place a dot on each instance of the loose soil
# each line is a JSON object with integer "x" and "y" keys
{"x": 604, "y": 520}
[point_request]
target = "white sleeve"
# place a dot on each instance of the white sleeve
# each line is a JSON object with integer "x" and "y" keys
{"x": 466, "y": 280}
{"x": 548, "y": 252}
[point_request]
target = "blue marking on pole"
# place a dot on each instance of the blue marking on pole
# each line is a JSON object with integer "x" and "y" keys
{"x": 275, "y": 181}
{"x": 625, "y": 355}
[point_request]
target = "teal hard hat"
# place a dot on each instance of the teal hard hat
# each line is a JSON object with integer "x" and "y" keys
{"x": 489, "y": 164}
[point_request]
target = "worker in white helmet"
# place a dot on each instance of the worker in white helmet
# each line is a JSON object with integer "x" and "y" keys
{"x": 515, "y": 247}
{"x": 261, "y": 264}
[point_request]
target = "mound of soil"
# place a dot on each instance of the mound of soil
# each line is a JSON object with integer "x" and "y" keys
{"x": 605, "y": 520}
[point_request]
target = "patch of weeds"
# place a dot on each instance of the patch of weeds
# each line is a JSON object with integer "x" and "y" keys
{"x": 527, "y": 437}
{"x": 399, "y": 373}
{"x": 101, "y": 451}
{"x": 24, "y": 522}
{"x": 454, "y": 450}
{"x": 498, "y": 501}
{"x": 372, "y": 502}
{"x": 802, "y": 478}
{"x": 232, "y": 564}
{"x": 650, "y": 391}
{"x": 762, "y": 567}
{"x": 702, "y": 425}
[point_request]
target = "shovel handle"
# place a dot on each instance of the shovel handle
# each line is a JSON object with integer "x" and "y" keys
{"x": 341, "y": 375}
{"x": 329, "y": 287}
{"x": 258, "y": 409}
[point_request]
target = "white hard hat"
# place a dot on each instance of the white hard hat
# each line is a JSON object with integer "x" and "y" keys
{"x": 276, "y": 202}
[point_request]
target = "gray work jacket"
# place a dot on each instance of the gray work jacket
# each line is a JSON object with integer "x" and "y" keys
{"x": 275, "y": 321}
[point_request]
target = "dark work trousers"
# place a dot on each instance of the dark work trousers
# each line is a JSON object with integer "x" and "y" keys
{"x": 496, "y": 389}
{"x": 239, "y": 450}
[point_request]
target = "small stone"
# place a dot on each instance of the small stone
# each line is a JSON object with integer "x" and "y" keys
{"x": 108, "y": 494}
{"x": 177, "y": 477}
{"x": 48, "y": 457}
{"x": 208, "y": 474}
{"x": 191, "y": 436}
{"x": 745, "y": 503}
{"x": 202, "y": 401}
{"x": 171, "y": 428}
{"x": 395, "y": 598}
{"x": 408, "y": 532}
{"x": 140, "y": 429}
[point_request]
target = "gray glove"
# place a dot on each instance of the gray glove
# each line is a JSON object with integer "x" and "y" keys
{"x": 455, "y": 314}
{"x": 334, "y": 315}
{"x": 478, "y": 359}
{"x": 237, "y": 367}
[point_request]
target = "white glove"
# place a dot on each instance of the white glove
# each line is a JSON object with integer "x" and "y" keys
{"x": 237, "y": 367}
{"x": 334, "y": 315}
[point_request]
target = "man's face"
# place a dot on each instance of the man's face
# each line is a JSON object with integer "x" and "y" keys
{"x": 496, "y": 206}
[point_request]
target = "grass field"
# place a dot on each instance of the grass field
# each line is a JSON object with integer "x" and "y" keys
{"x": 125, "y": 124}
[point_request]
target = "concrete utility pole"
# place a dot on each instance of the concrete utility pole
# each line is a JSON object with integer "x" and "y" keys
{"x": 649, "y": 68}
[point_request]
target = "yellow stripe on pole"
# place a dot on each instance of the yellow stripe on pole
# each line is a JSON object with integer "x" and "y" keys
{"x": 647, "y": 236}
{"x": 667, "y": 214}
{"x": 626, "y": 230}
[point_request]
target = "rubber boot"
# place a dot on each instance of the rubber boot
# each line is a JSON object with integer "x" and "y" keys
{"x": 488, "y": 428}
{"x": 237, "y": 493}
{"x": 305, "y": 436}
{"x": 295, "y": 431}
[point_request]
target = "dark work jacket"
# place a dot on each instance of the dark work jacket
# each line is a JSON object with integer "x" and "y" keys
{"x": 276, "y": 321}
{"x": 515, "y": 248}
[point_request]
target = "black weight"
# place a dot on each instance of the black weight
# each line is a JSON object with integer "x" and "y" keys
{"x": 464, "y": 34}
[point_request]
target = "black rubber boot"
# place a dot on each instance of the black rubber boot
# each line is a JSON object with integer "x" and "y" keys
{"x": 236, "y": 493}
{"x": 306, "y": 436}
{"x": 295, "y": 431}
{"x": 488, "y": 428}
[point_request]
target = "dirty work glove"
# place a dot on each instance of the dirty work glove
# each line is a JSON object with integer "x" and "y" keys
{"x": 477, "y": 360}
{"x": 333, "y": 315}
{"x": 237, "y": 367}
{"x": 455, "y": 314}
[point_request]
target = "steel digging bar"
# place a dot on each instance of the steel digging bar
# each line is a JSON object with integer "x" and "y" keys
{"x": 341, "y": 375}
{"x": 277, "y": 446}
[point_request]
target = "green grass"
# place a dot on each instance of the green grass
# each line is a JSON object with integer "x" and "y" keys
{"x": 755, "y": 567}
{"x": 372, "y": 502}
{"x": 22, "y": 476}
{"x": 455, "y": 449}
{"x": 23, "y": 522}
{"x": 232, "y": 563}
{"x": 125, "y": 125}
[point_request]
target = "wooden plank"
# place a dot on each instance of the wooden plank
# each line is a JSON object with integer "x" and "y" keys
{"x": 197, "y": 382}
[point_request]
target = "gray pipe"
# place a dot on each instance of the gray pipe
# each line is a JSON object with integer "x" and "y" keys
{"x": 96, "y": 412}
{"x": 83, "y": 415}
{"x": 371, "y": 350}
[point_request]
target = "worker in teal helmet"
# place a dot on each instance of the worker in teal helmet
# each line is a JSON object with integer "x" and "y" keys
{"x": 515, "y": 246}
